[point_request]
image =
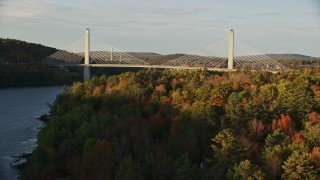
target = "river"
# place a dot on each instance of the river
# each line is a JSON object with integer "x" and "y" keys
{"x": 18, "y": 127}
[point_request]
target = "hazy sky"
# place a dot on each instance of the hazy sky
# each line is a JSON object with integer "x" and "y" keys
{"x": 166, "y": 26}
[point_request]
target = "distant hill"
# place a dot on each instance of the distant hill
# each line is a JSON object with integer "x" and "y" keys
{"x": 155, "y": 58}
{"x": 289, "y": 56}
{"x": 274, "y": 56}
{"x": 144, "y": 54}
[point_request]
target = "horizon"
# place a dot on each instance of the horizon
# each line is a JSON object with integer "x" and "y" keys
{"x": 287, "y": 27}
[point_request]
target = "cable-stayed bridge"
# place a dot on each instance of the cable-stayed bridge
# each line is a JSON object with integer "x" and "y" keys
{"x": 226, "y": 55}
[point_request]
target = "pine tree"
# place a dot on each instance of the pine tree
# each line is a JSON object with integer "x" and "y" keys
{"x": 299, "y": 166}
{"x": 276, "y": 138}
{"x": 227, "y": 150}
{"x": 245, "y": 170}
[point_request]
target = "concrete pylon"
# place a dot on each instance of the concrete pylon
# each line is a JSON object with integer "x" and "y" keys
{"x": 86, "y": 68}
{"x": 231, "y": 49}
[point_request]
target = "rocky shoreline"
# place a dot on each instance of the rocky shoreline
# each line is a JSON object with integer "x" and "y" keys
{"x": 20, "y": 160}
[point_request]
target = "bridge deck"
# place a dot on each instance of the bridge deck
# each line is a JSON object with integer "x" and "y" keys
{"x": 142, "y": 66}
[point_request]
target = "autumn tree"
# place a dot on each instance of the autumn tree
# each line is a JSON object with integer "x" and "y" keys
{"x": 257, "y": 129}
{"x": 312, "y": 135}
{"x": 314, "y": 155}
{"x": 285, "y": 124}
{"x": 273, "y": 158}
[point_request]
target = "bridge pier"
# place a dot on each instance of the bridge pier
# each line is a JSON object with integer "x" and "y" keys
{"x": 231, "y": 49}
{"x": 86, "y": 68}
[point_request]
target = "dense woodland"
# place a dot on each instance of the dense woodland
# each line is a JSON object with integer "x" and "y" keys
{"x": 20, "y": 65}
{"x": 172, "y": 124}
{"x": 183, "y": 124}
{"x": 20, "y": 52}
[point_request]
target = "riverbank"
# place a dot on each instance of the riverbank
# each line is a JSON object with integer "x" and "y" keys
{"x": 18, "y": 108}
{"x": 20, "y": 160}
{"x": 36, "y": 75}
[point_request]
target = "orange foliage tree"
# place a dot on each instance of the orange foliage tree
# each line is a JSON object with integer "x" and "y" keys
{"x": 314, "y": 155}
{"x": 285, "y": 124}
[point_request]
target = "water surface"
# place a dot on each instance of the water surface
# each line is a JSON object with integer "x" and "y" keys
{"x": 18, "y": 127}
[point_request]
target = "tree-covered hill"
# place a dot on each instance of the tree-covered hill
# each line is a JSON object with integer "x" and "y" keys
{"x": 159, "y": 59}
{"x": 20, "y": 65}
{"x": 17, "y": 51}
{"x": 296, "y": 61}
{"x": 183, "y": 124}
{"x": 289, "y": 56}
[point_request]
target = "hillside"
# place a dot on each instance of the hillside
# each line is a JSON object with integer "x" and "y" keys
{"x": 183, "y": 124}
{"x": 289, "y": 56}
{"x": 296, "y": 61}
{"x": 144, "y": 54}
{"x": 20, "y": 65}
{"x": 154, "y": 58}
{"x": 17, "y": 51}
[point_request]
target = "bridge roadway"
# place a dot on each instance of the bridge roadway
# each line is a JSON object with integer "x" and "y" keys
{"x": 143, "y": 66}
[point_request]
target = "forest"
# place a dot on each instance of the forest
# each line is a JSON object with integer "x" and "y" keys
{"x": 183, "y": 124}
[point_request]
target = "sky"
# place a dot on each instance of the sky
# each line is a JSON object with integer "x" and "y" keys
{"x": 166, "y": 26}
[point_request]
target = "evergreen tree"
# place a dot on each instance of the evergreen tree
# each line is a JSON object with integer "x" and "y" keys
{"x": 245, "y": 170}
{"x": 299, "y": 166}
{"x": 227, "y": 150}
{"x": 276, "y": 138}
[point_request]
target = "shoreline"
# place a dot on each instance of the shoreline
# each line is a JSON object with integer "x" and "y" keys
{"x": 37, "y": 86}
{"x": 21, "y": 128}
{"x": 20, "y": 160}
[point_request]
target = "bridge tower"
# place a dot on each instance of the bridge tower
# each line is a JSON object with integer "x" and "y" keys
{"x": 231, "y": 49}
{"x": 86, "y": 68}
